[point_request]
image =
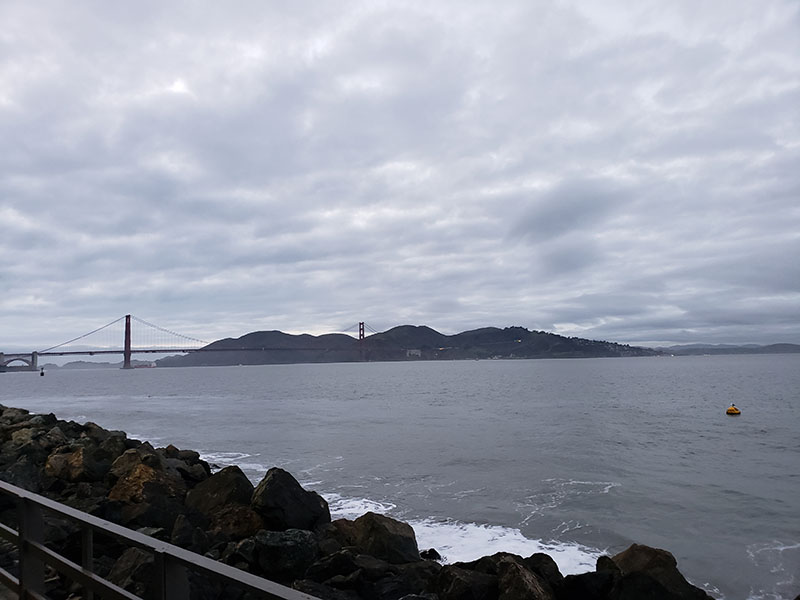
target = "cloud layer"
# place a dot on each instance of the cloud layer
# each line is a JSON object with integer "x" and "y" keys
{"x": 589, "y": 169}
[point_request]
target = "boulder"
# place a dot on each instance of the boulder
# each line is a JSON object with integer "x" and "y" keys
{"x": 546, "y": 568}
{"x": 455, "y": 583}
{"x": 284, "y": 504}
{"x": 285, "y": 555}
{"x": 133, "y": 571}
{"x": 385, "y": 538}
{"x": 144, "y": 483}
{"x": 79, "y": 465}
{"x": 235, "y": 522}
{"x": 587, "y": 586}
{"x": 400, "y": 581}
{"x": 342, "y": 562}
{"x": 229, "y": 486}
{"x": 323, "y": 592}
{"x": 653, "y": 571}
{"x": 516, "y": 582}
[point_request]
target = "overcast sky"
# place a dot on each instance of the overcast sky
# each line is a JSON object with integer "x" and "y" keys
{"x": 627, "y": 171}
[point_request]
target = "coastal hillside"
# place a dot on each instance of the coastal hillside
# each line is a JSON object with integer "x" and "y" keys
{"x": 405, "y": 342}
{"x": 706, "y": 349}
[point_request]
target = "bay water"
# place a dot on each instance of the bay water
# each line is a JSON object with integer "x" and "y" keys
{"x": 575, "y": 457}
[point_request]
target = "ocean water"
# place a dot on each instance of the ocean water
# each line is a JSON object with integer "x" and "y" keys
{"x": 575, "y": 458}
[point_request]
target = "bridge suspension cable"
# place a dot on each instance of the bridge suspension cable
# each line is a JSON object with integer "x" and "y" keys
{"x": 80, "y": 337}
{"x": 163, "y": 330}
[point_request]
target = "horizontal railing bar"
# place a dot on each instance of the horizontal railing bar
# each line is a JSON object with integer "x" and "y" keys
{"x": 81, "y": 575}
{"x": 8, "y": 580}
{"x": 9, "y": 534}
{"x": 195, "y": 562}
{"x": 135, "y": 538}
{"x": 274, "y": 591}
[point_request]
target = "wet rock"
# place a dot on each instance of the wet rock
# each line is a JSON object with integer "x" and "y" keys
{"x": 229, "y": 486}
{"x": 546, "y": 568}
{"x": 79, "y": 465}
{"x": 386, "y": 538}
{"x": 324, "y": 592}
{"x": 143, "y": 483}
{"x": 339, "y": 563}
{"x": 455, "y": 583}
{"x": 284, "y": 504}
{"x": 430, "y": 554}
{"x": 587, "y": 586}
{"x": 516, "y": 582}
{"x": 653, "y": 571}
{"x": 235, "y": 522}
{"x": 285, "y": 555}
{"x": 408, "y": 579}
{"x": 133, "y": 571}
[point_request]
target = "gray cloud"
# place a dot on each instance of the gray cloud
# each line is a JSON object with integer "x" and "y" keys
{"x": 626, "y": 173}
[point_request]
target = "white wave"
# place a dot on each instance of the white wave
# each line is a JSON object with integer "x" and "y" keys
{"x": 463, "y": 542}
{"x": 342, "y": 507}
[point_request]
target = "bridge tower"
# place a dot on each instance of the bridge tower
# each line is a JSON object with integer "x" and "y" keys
{"x": 126, "y": 354}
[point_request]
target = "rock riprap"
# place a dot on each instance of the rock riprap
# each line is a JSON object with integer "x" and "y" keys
{"x": 276, "y": 529}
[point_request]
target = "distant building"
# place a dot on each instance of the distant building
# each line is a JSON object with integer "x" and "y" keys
{"x": 413, "y": 353}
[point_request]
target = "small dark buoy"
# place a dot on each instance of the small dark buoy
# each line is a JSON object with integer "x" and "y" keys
{"x": 41, "y": 373}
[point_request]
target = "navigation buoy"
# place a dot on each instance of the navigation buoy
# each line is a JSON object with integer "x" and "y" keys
{"x": 41, "y": 373}
{"x": 733, "y": 411}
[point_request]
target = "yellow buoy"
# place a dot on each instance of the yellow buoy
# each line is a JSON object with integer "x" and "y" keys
{"x": 732, "y": 410}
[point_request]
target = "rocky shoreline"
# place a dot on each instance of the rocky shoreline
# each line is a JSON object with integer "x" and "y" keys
{"x": 275, "y": 530}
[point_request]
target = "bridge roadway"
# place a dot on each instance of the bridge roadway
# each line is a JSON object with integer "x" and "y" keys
{"x": 30, "y": 361}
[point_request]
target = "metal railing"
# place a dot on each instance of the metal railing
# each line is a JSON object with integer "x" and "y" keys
{"x": 171, "y": 563}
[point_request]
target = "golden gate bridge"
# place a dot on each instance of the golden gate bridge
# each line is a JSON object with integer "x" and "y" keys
{"x": 148, "y": 339}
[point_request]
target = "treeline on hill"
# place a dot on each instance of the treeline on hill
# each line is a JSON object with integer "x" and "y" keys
{"x": 406, "y": 342}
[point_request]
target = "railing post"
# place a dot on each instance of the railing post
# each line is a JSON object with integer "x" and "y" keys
{"x": 87, "y": 556}
{"x": 171, "y": 578}
{"x": 31, "y": 529}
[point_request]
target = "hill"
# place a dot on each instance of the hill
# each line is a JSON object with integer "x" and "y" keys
{"x": 405, "y": 342}
{"x": 703, "y": 349}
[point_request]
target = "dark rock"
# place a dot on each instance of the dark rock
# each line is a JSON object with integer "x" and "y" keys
{"x": 285, "y": 555}
{"x": 339, "y": 563}
{"x": 638, "y": 585}
{"x": 386, "y": 538}
{"x": 133, "y": 571}
{"x": 455, "y": 583}
{"x": 235, "y": 522}
{"x": 544, "y": 566}
{"x": 371, "y": 568}
{"x": 187, "y": 535}
{"x": 324, "y": 592}
{"x": 587, "y": 586}
{"x": 606, "y": 563}
{"x": 143, "y": 483}
{"x": 182, "y": 532}
{"x": 284, "y": 504}
{"x": 660, "y": 566}
{"x": 516, "y": 582}
{"x": 192, "y": 474}
{"x": 79, "y": 465}
{"x": 27, "y": 474}
{"x": 158, "y": 510}
{"x": 228, "y": 486}
{"x": 405, "y": 580}
{"x": 430, "y": 554}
